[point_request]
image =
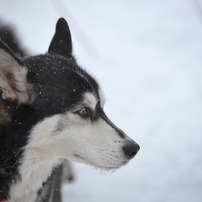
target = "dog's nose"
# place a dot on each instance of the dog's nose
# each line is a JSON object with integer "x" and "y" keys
{"x": 131, "y": 149}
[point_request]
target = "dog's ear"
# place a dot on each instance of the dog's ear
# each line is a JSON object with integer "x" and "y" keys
{"x": 13, "y": 77}
{"x": 61, "y": 43}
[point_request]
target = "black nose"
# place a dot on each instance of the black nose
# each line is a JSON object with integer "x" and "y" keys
{"x": 131, "y": 149}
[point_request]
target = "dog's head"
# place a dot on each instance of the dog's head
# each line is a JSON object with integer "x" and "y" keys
{"x": 62, "y": 106}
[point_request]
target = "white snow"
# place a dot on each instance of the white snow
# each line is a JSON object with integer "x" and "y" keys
{"x": 147, "y": 56}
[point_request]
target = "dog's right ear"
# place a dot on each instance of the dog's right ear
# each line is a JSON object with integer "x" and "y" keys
{"x": 13, "y": 77}
{"x": 62, "y": 42}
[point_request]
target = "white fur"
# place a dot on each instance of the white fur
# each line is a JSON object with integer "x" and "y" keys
{"x": 99, "y": 145}
{"x": 95, "y": 143}
{"x": 39, "y": 159}
{"x": 90, "y": 100}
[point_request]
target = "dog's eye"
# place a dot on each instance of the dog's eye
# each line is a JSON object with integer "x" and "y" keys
{"x": 84, "y": 112}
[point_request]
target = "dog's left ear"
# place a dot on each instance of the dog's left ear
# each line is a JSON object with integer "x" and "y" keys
{"x": 13, "y": 77}
{"x": 61, "y": 43}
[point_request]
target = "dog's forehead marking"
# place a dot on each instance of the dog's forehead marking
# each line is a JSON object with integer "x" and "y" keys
{"x": 90, "y": 99}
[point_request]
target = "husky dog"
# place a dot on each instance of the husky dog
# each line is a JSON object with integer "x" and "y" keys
{"x": 51, "y": 110}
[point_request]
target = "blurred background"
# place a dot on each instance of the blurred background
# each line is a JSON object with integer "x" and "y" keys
{"x": 147, "y": 56}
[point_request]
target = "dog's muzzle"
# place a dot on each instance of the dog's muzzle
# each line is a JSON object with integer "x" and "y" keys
{"x": 130, "y": 149}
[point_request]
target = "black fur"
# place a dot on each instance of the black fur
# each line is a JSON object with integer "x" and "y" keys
{"x": 61, "y": 43}
{"x": 48, "y": 70}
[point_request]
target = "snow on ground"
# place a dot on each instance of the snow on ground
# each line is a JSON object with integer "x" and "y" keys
{"x": 147, "y": 56}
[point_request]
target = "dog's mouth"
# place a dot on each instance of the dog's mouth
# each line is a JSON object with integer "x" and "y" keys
{"x": 88, "y": 162}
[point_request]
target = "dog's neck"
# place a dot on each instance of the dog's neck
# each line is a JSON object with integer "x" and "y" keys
{"x": 38, "y": 160}
{"x": 36, "y": 167}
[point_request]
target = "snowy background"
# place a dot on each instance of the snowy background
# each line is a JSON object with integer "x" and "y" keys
{"x": 147, "y": 56}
